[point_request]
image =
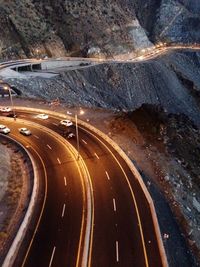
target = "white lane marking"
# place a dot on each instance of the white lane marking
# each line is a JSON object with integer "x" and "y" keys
{"x": 133, "y": 197}
{"x": 107, "y": 175}
{"x": 114, "y": 205}
{"x": 58, "y": 160}
{"x": 36, "y": 136}
{"x": 49, "y": 147}
{"x": 84, "y": 141}
{"x": 23, "y": 116}
{"x": 65, "y": 181}
{"x": 96, "y": 155}
{"x": 54, "y": 123}
{"x": 63, "y": 211}
{"x": 52, "y": 256}
{"x": 117, "y": 251}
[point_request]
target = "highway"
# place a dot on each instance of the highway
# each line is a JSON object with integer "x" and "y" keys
{"x": 59, "y": 227}
{"x": 123, "y": 232}
{"x": 122, "y": 229}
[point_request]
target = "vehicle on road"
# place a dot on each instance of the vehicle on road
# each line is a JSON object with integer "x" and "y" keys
{"x": 66, "y": 123}
{"x": 70, "y": 135}
{"x": 5, "y": 109}
{"x": 25, "y": 131}
{"x": 42, "y": 116}
{"x": 4, "y": 129}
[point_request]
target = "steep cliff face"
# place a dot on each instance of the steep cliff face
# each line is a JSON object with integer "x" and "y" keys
{"x": 55, "y": 28}
{"x": 171, "y": 82}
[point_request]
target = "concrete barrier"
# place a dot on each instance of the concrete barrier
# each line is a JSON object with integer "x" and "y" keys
{"x": 128, "y": 162}
{"x": 12, "y": 253}
{"x": 88, "y": 212}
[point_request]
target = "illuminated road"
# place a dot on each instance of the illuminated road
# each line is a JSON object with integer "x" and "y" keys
{"x": 123, "y": 233}
{"x": 60, "y": 225}
{"x": 146, "y": 54}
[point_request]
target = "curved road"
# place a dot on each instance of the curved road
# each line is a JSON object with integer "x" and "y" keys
{"x": 60, "y": 224}
{"x": 123, "y": 233}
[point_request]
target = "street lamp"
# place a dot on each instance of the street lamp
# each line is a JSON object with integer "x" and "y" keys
{"x": 77, "y": 134}
{"x": 37, "y": 53}
{"x": 7, "y": 88}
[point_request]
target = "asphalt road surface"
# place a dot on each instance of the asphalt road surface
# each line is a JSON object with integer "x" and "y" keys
{"x": 123, "y": 233}
{"x": 59, "y": 229}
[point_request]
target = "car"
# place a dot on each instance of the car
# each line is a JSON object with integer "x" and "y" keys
{"x": 4, "y": 129}
{"x": 42, "y": 116}
{"x": 11, "y": 115}
{"x": 25, "y": 131}
{"x": 66, "y": 123}
{"x": 70, "y": 135}
{"x": 5, "y": 109}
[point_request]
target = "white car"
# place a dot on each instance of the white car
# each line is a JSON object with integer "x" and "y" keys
{"x": 5, "y": 109}
{"x": 4, "y": 129}
{"x": 70, "y": 135}
{"x": 25, "y": 131}
{"x": 66, "y": 123}
{"x": 42, "y": 116}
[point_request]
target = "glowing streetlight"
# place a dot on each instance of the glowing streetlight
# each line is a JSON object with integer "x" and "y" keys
{"x": 7, "y": 88}
{"x": 77, "y": 134}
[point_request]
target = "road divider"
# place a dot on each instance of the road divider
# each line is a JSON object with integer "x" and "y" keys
{"x": 86, "y": 232}
{"x": 95, "y": 131}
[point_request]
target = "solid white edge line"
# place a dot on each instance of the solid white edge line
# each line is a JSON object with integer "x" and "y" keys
{"x": 65, "y": 181}
{"x": 107, "y": 175}
{"x": 63, "y": 211}
{"x": 10, "y": 257}
{"x": 117, "y": 251}
{"x": 52, "y": 256}
{"x": 114, "y": 205}
{"x": 96, "y": 155}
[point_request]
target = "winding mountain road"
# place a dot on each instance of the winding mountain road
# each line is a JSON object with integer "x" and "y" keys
{"x": 123, "y": 232}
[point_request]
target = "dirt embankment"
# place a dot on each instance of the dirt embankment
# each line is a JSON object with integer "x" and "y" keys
{"x": 15, "y": 197}
{"x": 172, "y": 143}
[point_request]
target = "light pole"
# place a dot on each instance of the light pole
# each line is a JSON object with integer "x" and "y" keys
{"x": 77, "y": 133}
{"x": 7, "y": 88}
{"x": 37, "y": 53}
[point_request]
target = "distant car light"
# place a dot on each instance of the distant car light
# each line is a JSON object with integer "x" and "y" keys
{"x": 70, "y": 135}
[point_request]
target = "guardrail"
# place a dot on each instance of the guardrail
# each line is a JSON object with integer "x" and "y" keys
{"x": 88, "y": 213}
{"x": 129, "y": 163}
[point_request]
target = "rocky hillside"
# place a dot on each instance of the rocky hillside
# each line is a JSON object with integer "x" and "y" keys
{"x": 171, "y": 82}
{"x": 93, "y": 27}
